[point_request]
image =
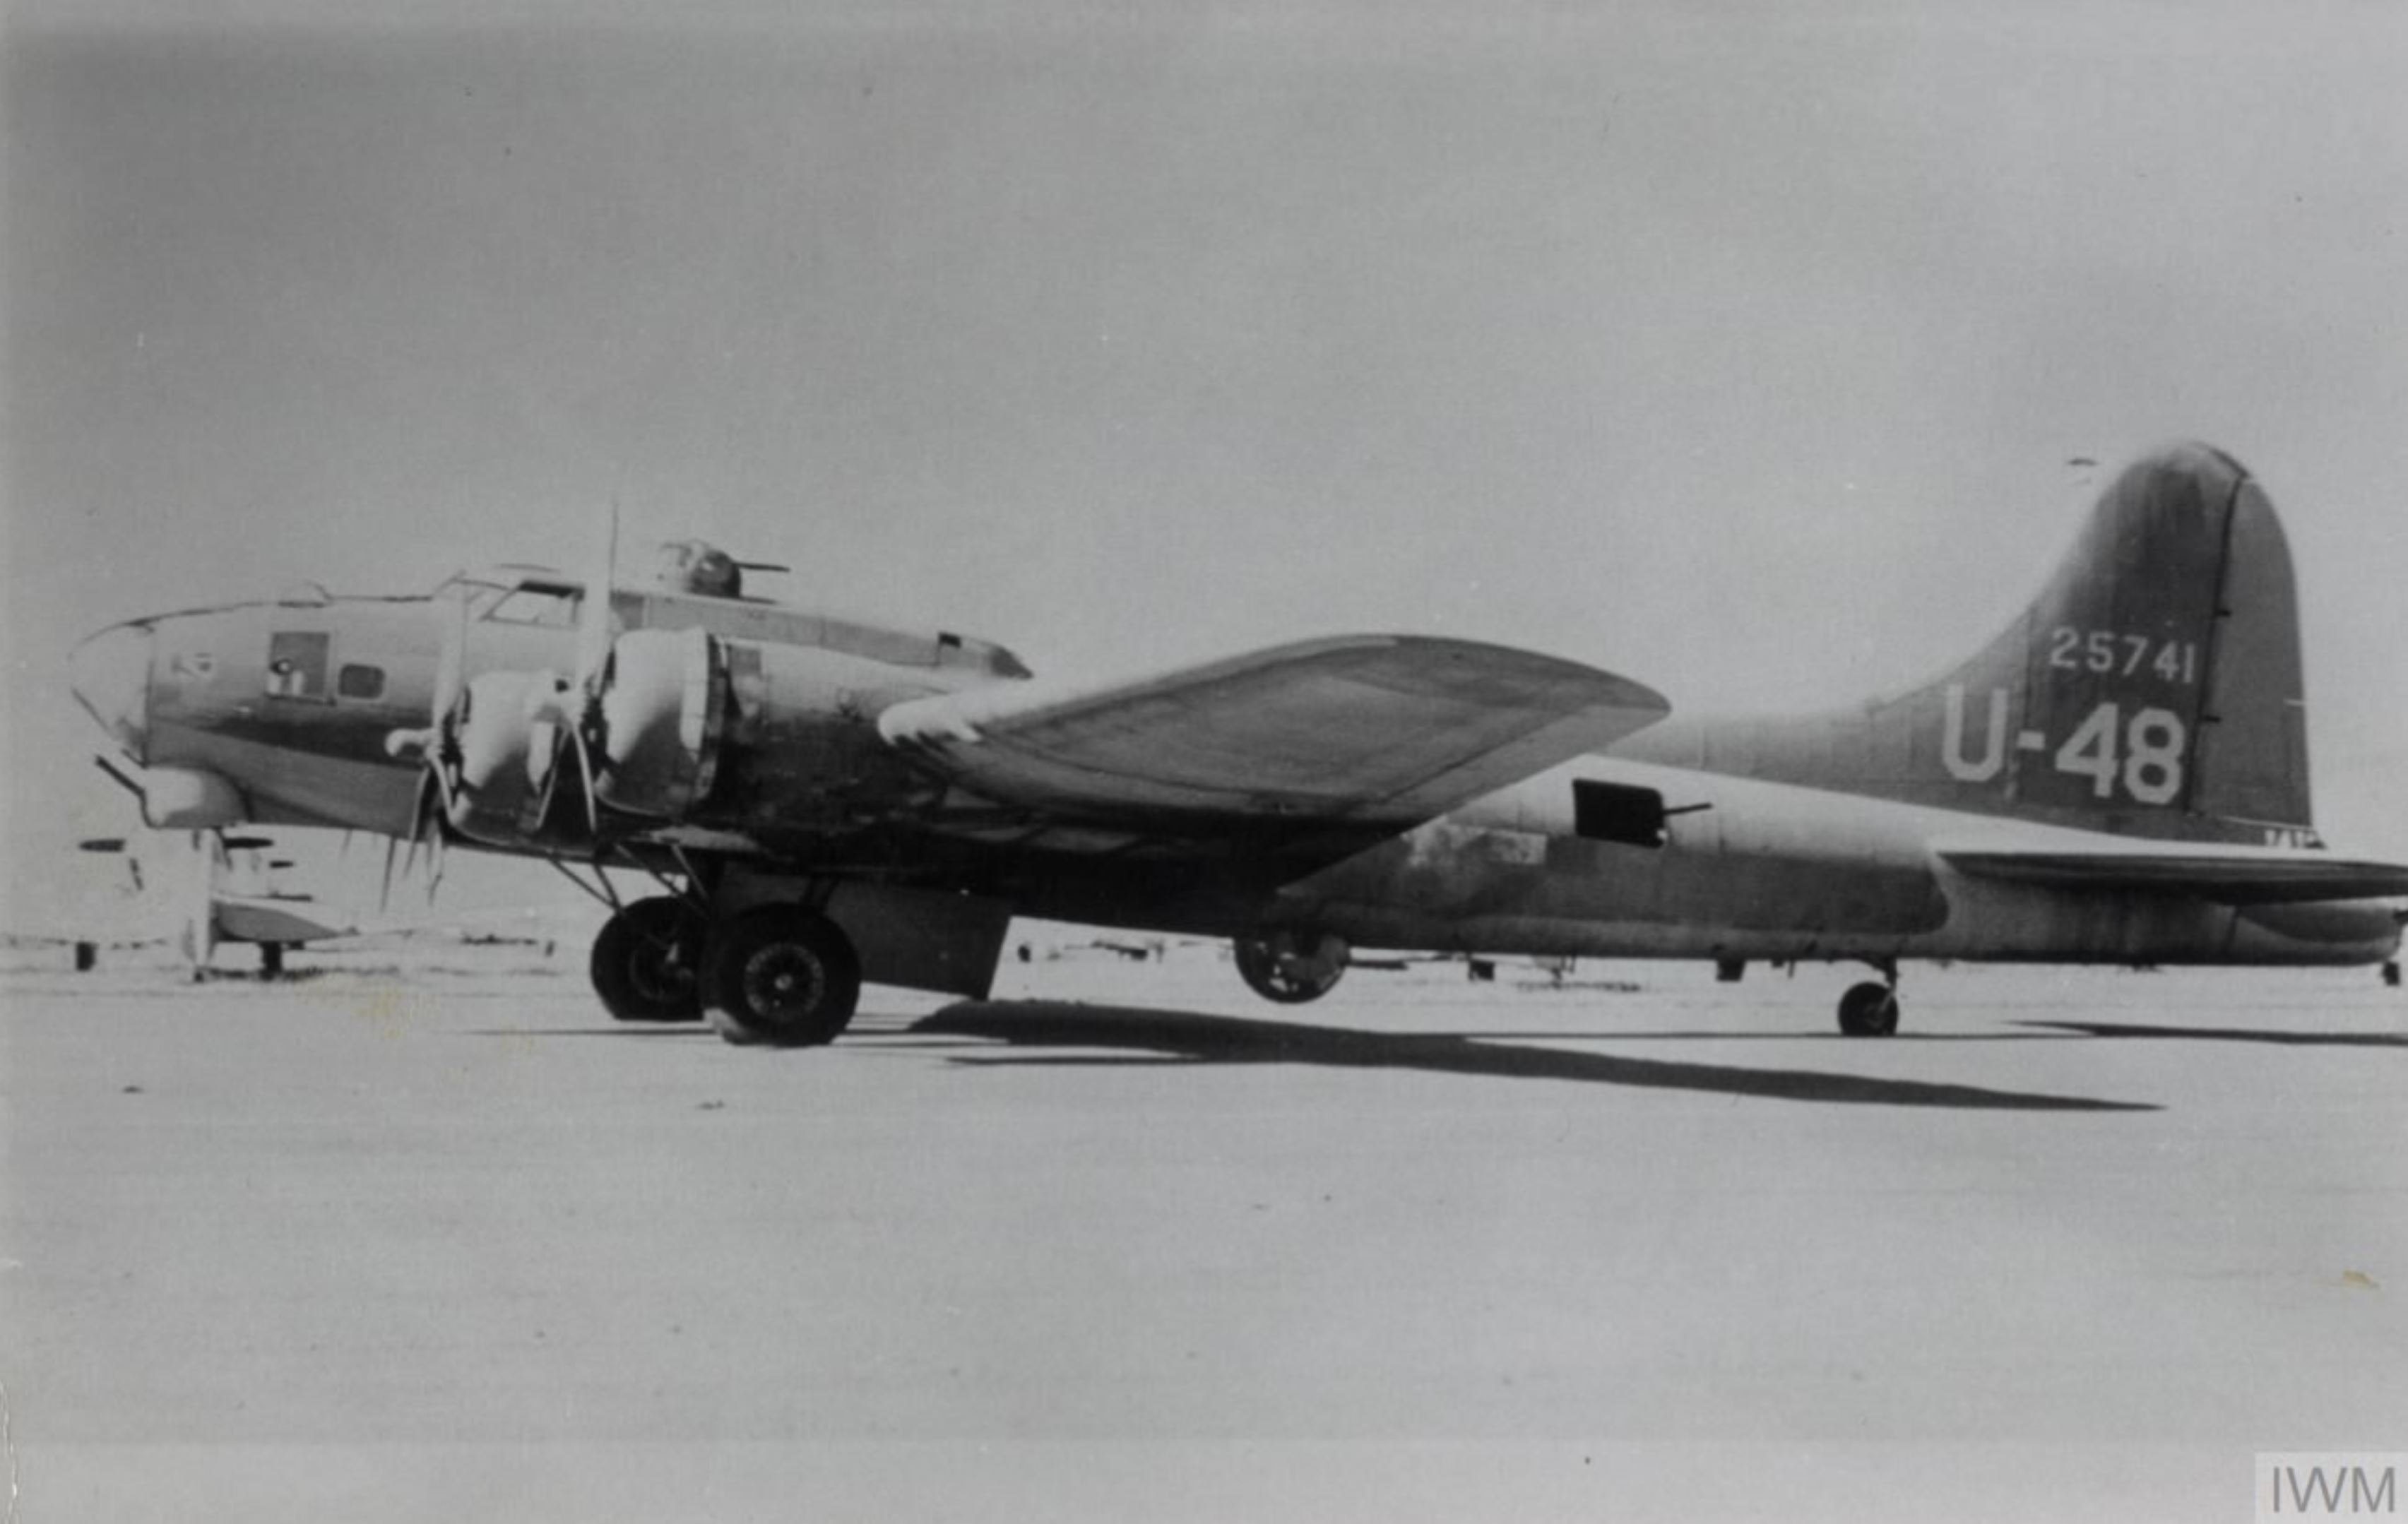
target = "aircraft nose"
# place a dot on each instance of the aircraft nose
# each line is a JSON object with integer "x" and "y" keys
{"x": 111, "y": 674}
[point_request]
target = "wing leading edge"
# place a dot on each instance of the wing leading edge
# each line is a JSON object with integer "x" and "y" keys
{"x": 1363, "y": 730}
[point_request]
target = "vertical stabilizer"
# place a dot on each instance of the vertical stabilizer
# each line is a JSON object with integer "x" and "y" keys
{"x": 2153, "y": 688}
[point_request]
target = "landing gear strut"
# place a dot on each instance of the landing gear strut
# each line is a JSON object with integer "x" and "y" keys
{"x": 647, "y": 960}
{"x": 1291, "y": 967}
{"x": 779, "y": 976}
{"x": 1868, "y": 1010}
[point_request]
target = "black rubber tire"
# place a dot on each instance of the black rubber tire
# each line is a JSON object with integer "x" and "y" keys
{"x": 1868, "y": 1010}
{"x": 1267, "y": 975}
{"x": 780, "y": 975}
{"x": 647, "y": 961}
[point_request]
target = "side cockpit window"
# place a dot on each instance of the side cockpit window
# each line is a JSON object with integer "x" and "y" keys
{"x": 358, "y": 680}
{"x": 296, "y": 665}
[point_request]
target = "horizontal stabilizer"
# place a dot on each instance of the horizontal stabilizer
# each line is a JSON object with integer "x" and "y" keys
{"x": 258, "y": 920}
{"x": 2221, "y": 873}
{"x": 1380, "y": 731}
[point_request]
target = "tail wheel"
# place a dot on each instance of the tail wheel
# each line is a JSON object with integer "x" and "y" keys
{"x": 1868, "y": 1010}
{"x": 781, "y": 977}
{"x": 648, "y": 960}
{"x": 1291, "y": 967}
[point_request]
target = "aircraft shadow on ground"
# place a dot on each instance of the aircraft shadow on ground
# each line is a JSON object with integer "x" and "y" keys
{"x": 1187, "y": 1037}
{"x": 2226, "y": 1035}
{"x": 691, "y": 1031}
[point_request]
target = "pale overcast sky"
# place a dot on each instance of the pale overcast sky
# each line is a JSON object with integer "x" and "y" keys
{"x": 1740, "y": 348}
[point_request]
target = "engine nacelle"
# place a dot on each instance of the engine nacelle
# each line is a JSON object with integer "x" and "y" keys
{"x": 684, "y": 727}
{"x": 663, "y": 721}
{"x": 800, "y": 747}
{"x": 496, "y": 782}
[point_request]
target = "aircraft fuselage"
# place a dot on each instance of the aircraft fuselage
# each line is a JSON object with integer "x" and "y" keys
{"x": 1779, "y": 872}
{"x": 1747, "y": 868}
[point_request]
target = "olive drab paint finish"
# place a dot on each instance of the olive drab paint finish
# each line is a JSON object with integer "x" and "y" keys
{"x": 2119, "y": 776}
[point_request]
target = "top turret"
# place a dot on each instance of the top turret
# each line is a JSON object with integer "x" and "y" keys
{"x": 696, "y": 567}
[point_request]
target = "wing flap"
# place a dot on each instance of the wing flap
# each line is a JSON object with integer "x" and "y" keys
{"x": 1366, "y": 730}
{"x": 2225, "y": 874}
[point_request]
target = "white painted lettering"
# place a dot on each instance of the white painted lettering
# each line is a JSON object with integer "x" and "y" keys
{"x": 1967, "y": 769}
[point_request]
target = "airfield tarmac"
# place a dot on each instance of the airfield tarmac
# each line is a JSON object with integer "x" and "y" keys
{"x": 1127, "y": 1243}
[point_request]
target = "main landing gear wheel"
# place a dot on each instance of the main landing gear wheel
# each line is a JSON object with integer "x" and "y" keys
{"x": 1868, "y": 1010}
{"x": 779, "y": 976}
{"x": 1291, "y": 967}
{"x": 647, "y": 961}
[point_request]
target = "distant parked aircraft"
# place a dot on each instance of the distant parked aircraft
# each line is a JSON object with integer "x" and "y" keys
{"x": 214, "y": 888}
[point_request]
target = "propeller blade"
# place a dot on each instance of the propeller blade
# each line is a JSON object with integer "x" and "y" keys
{"x": 585, "y": 777}
{"x": 430, "y": 780}
{"x": 592, "y": 657}
{"x": 431, "y": 788}
{"x": 427, "y": 745}
{"x": 385, "y": 885}
{"x": 555, "y": 729}
{"x": 118, "y": 775}
{"x": 452, "y": 663}
{"x": 594, "y": 618}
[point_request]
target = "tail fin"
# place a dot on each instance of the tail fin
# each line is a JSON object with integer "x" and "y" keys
{"x": 2152, "y": 689}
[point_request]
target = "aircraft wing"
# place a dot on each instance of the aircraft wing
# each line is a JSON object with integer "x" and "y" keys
{"x": 2226, "y": 875}
{"x": 1367, "y": 732}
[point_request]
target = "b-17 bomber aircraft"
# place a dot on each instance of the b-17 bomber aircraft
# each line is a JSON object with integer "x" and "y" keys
{"x": 2120, "y": 777}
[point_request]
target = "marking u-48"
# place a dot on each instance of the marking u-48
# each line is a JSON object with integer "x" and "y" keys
{"x": 2143, "y": 753}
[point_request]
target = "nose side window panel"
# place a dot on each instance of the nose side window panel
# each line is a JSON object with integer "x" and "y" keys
{"x": 296, "y": 665}
{"x": 358, "y": 680}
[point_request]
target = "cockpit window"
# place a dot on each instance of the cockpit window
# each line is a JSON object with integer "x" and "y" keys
{"x": 550, "y": 608}
{"x": 358, "y": 680}
{"x": 514, "y": 594}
